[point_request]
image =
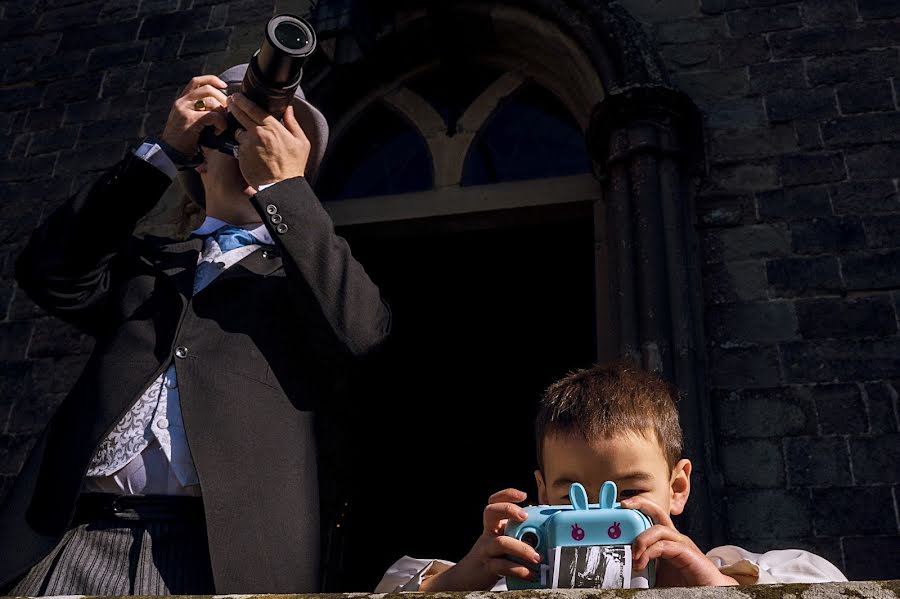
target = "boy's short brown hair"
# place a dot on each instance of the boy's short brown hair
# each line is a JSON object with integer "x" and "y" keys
{"x": 608, "y": 399}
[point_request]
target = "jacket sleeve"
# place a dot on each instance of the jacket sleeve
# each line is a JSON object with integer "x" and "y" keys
{"x": 66, "y": 265}
{"x": 778, "y": 566}
{"x": 341, "y": 306}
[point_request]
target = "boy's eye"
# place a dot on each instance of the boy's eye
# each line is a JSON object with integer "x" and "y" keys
{"x": 629, "y": 493}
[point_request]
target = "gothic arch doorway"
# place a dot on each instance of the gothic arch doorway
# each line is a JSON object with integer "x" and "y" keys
{"x": 522, "y": 201}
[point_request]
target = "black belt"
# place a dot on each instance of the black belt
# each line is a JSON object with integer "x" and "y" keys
{"x": 91, "y": 506}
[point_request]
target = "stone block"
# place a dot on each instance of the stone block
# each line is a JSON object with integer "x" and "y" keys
{"x": 14, "y": 338}
{"x": 26, "y": 169}
{"x": 32, "y": 413}
{"x": 52, "y": 140}
{"x": 714, "y": 85}
{"x": 876, "y": 459}
{"x": 752, "y": 514}
{"x": 88, "y": 158}
{"x": 745, "y": 367}
{"x": 735, "y": 282}
{"x": 881, "y": 404}
{"x": 827, "y": 12}
{"x": 759, "y": 322}
{"x": 809, "y": 135}
{"x": 167, "y": 24}
{"x": 124, "y": 81}
{"x": 840, "y": 409}
{"x": 872, "y": 270}
{"x": 110, "y": 130}
{"x": 855, "y": 510}
{"x": 99, "y": 35}
{"x": 874, "y": 162}
{"x": 883, "y": 231}
{"x": 841, "y": 360}
{"x": 70, "y": 17}
{"x": 834, "y": 39}
{"x": 72, "y": 90}
{"x": 750, "y": 242}
{"x": 865, "y": 197}
{"x": 114, "y": 11}
{"x": 777, "y": 76}
{"x": 863, "y": 555}
{"x": 162, "y": 49}
{"x": 793, "y": 203}
{"x": 178, "y": 72}
{"x": 85, "y": 112}
{"x": 828, "y": 234}
{"x": 745, "y": 177}
{"x": 862, "y": 66}
{"x": 724, "y": 210}
{"x": 54, "y": 338}
{"x": 14, "y": 450}
{"x": 24, "y": 96}
{"x": 731, "y": 145}
{"x": 862, "y": 129}
{"x": 802, "y": 275}
{"x": 204, "y": 42}
{"x": 791, "y": 104}
{"x": 837, "y": 318}
{"x": 817, "y": 461}
{"x": 878, "y": 9}
{"x": 39, "y": 119}
{"x": 117, "y": 55}
{"x": 806, "y": 169}
{"x": 744, "y": 51}
{"x": 733, "y": 113}
{"x": 218, "y": 16}
{"x": 775, "y": 412}
{"x": 241, "y": 12}
{"x": 761, "y": 20}
{"x": 865, "y": 96}
{"x": 752, "y": 463}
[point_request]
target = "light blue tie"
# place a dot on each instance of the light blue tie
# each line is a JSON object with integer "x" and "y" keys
{"x": 230, "y": 237}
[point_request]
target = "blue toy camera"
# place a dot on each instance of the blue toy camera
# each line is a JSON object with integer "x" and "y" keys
{"x": 583, "y": 545}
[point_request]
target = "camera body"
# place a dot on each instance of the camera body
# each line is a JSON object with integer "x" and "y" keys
{"x": 550, "y": 529}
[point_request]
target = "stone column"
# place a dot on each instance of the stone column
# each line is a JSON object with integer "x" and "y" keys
{"x": 644, "y": 141}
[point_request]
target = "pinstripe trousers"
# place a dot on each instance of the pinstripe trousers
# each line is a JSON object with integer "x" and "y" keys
{"x": 111, "y": 556}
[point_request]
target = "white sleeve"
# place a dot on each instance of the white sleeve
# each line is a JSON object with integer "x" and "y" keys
{"x": 407, "y": 573}
{"x": 155, "y": 155}
{"x": 773, "y": 567}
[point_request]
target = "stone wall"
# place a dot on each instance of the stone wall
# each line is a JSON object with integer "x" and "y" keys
{"x": 799, "y": 219}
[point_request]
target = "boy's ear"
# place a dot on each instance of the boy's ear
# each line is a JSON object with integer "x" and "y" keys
{"x": 680, "y": 484}
{"x": 541, "y": 487}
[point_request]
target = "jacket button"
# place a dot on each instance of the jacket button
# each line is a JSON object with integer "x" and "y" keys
{"x": 276, "y": 218}
{"x": 163, "y": 423}
{"x": 181, "y": 351}
{"x": 282, "y": 228}
{"x": 271, "y": 209}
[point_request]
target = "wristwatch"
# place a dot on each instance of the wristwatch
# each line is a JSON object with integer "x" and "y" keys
{"x": 181, "y": 161}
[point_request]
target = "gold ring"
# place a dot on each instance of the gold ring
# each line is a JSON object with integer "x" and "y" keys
{"x": 200, "y": 104}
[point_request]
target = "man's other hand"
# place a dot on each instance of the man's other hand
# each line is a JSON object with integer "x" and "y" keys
{"x": 201, "y": 104}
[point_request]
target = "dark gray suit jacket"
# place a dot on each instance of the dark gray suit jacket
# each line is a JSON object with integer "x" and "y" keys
{"x": 265, "y": 343}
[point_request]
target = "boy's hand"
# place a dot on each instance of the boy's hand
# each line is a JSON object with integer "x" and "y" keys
{"x": 488, "y": 559}
{"x": 681, "y": 563}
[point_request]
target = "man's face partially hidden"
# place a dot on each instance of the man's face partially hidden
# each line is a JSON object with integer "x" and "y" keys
{"x": 222, "y": 179}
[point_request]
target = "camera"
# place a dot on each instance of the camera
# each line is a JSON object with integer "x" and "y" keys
{"x": 272, "y": 76}
{"x": 583, "y": 545}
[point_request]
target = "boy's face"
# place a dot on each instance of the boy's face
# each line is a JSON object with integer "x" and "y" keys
{"x": 633, "y": 461}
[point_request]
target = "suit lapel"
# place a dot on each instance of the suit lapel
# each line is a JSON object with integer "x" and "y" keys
{"x": 178, "y": 261}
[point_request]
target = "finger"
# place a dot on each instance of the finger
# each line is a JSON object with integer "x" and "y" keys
{"x": 649, "y": 508}
{"x": 504, "y": 567}
{"x": 496, "y": 512}
{"x": 653, "y": 535}
{"x": 216, "y": 120}
{"x": 242, "y": 117}
{"x": 238, "y": 133}
{"x": 666, "y": 550}
{"x": 207, "y": 91}
{"x": 512, "y": 548}
{"x": 508, "y": 495}
{"x": 257, "y": 114}
{"x": 203, "y": 80}
{"x": 292, "y": 125}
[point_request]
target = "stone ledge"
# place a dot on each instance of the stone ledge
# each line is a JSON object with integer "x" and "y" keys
{"x": 885, "y": 589}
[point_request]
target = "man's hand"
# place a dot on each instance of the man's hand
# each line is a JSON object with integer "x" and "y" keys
{"x": 681, "y": 563}
{"x": 488, "y": 559}
{"x": 186, "y": 120}
{"x": 269, "y": 151}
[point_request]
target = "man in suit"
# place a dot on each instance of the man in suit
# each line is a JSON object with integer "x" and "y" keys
{"x": 183, "y": 461}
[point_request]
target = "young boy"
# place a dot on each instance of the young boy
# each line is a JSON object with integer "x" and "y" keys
{"x": 610, "y": 422}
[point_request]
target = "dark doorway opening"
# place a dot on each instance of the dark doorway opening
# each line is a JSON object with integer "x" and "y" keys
{"x": 488, "y": 310}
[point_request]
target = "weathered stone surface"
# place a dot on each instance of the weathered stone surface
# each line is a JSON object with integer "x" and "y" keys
{"x": 874, "y": 162}
{"x": 735, "y": 282}
{"x": 775, "y": 412}
{"x": 745, "y": 367}
{"x": 872, "y": 270}
{"x": 882, "y": 408}
{"x": 836, "y": 510}
{"x": 801, "y": 275}
{"x": 840, "y": 409}
{"x": 752, "y": 463}
{"x": 759, "y": 322}
{"x": 870, "y": 316}
{"x": 794, "y": 203}
{"x": 865, "y": 197}
{"x": 876, "y": 459}
{"x": 841, "y": 360}
{"x": 785, "y": 511}
{"x": 828, "y": 235}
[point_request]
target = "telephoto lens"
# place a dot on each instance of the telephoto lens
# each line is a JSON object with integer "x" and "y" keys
{"x": 272, "y": 76}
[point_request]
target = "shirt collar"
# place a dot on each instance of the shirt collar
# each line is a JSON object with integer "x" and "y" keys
{"x": 258, "y": 230}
